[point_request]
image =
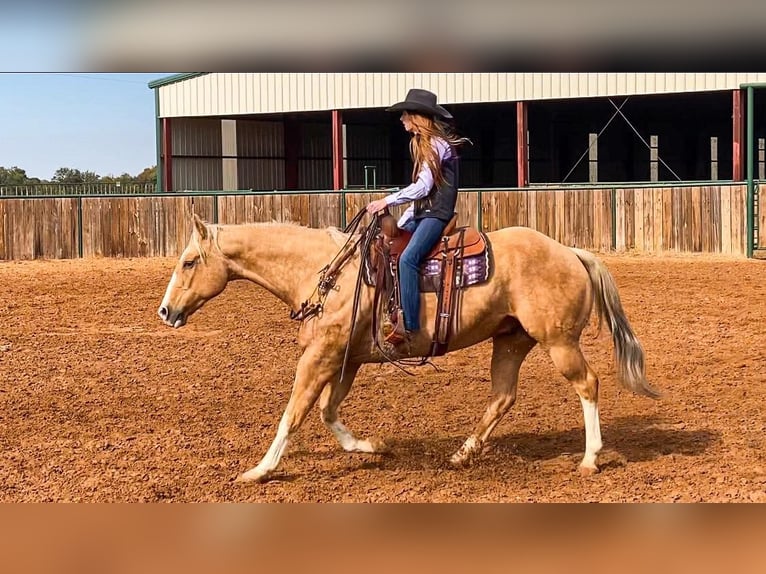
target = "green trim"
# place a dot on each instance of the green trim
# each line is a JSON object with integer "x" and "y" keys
{"x": 343, "y": 209}
{"x": 479, "y": 218}
{"x": 345, "y": 192}
{"x": 175, "y": 78}
{"x": 619, "y": 184}
{"x": 158, "y": 137}
{"x": 79, "y": 227}
{"x": 750, "y": 153}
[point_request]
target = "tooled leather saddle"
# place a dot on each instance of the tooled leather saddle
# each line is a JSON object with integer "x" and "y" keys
{"x": 459, "y": 260}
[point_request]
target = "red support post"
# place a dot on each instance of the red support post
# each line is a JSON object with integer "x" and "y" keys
{"x": 167, "y": 155}
{"x": 522, "y": 145}
{"x": 738, "y": 125}
{"x": 337, "y": 149}
{"x": 292, "y": 147}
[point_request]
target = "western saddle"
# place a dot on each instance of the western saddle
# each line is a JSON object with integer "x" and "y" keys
{"x": 461, "y": 259}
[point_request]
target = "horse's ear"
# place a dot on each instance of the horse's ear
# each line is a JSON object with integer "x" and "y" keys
{"x": 200, "y": 226}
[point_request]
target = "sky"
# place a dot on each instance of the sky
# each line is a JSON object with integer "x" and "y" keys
{"x": 103, "y": 123}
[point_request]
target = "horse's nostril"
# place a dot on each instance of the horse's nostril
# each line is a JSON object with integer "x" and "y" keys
{"x": 163, "y": 312}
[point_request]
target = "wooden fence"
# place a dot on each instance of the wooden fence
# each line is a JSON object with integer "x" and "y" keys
{"x": 704, "y": 219}
{"x": 95, "y": 188}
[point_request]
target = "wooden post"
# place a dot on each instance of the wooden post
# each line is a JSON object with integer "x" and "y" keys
{"x": 522, "y": 145}
{"x": 713, "y": 158}
{"x": 593, "y": 157}
{"x": 229, "y": 152}
{"x": 167, "y": 156}
{"x": 337, "y": 149}
{"x": 292, "y": 147}
{"x": 737, "y": 122}
{"x": 654, "y": 174}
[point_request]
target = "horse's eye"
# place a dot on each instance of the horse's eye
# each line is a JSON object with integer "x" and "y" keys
{"x": 189, "y": 264}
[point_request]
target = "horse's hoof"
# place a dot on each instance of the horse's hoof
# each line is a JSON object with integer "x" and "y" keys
{"x": 379, "y": 446}
{"x": 467, "y": 453}
{"x": 253, "y": 476}
{"x": 460, "y": 460}
{"x": 588, "y": 470}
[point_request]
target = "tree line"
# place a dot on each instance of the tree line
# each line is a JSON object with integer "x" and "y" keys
{"x": 11, "y": 176}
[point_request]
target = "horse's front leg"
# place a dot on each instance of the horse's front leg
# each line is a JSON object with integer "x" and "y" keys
{"x": 332, "y": 396}
{"x": 315, "y": 368}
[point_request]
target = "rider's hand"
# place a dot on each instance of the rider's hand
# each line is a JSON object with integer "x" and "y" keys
{"x": 376, "y": 206}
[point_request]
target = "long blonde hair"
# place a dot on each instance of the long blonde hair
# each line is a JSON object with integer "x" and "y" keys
{"x": 421, "y": 149}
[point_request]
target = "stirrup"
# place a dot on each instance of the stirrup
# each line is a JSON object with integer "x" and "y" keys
{"x": 397, "y": 334}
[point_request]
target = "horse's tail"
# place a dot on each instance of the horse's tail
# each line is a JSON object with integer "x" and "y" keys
{"x": 629, "y": 354}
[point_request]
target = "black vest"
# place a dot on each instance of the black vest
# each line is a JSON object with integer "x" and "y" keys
{"x": 440, "y": 201}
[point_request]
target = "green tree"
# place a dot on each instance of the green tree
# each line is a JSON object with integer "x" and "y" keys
{"x": 67, "y": 175}
{"x": 149, "y": 175}
{"x": 70, "y": 175}
{"x": 13, "y": 176}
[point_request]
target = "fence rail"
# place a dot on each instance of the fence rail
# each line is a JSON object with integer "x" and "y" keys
{"x": 57, "y": 189}
{"x": 694, "y": 218}
{"x": 760, "y": 217}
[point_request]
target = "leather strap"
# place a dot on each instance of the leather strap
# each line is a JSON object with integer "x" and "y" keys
{"x": 445, "y": 307}
{"x": 381, "y": 262}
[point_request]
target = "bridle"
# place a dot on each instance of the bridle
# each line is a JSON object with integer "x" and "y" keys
{"x": 327, "y": 280}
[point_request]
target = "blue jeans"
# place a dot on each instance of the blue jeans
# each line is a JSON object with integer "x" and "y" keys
{"x": 426, "y": 233}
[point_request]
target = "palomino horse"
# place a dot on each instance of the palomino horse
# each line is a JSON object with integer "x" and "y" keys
{"x": 540, "y": 292}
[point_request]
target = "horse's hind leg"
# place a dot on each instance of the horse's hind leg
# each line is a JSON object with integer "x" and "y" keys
{"x": 508, "y": 352}
{"x": 569, "y": 360}
{"x": 331, "y": 398}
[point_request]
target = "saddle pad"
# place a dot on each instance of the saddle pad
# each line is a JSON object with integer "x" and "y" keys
{"x": 474, "y": 270}
{"x": 475, "y": 265}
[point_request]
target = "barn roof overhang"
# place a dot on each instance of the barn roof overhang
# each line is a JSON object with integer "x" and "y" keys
{"x": 167, "y": 80}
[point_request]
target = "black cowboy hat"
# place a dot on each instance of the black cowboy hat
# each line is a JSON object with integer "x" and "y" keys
{"x": 421, "y": 101}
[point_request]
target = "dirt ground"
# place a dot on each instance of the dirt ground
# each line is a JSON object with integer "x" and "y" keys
{"x": 101, "y": 402}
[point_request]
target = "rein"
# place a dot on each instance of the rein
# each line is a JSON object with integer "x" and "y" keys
{"x": 366, "y": 239}
{"x": 328, "y": 276}
{"x": 329, "y": 273}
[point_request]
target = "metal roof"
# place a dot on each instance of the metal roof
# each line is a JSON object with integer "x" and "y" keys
{"x": 167, "y": 80}
{"x": 232, "y": 94}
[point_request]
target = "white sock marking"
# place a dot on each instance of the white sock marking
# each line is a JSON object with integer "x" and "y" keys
{"x": 272, "y": 457}
{"x": 347, "y": 440}
{"x": 592, "y": 432}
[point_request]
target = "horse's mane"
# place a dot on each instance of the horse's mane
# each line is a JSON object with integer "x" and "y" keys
{"x": 195, "y": 239}
{"x": 198, "y": 245}
{"x": 335, "y": 234}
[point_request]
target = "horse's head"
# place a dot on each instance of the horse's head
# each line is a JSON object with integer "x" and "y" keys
{"x": 200, "y": 274}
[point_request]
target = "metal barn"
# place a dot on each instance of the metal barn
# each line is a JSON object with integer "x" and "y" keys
{"x": 303, "y": 131}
